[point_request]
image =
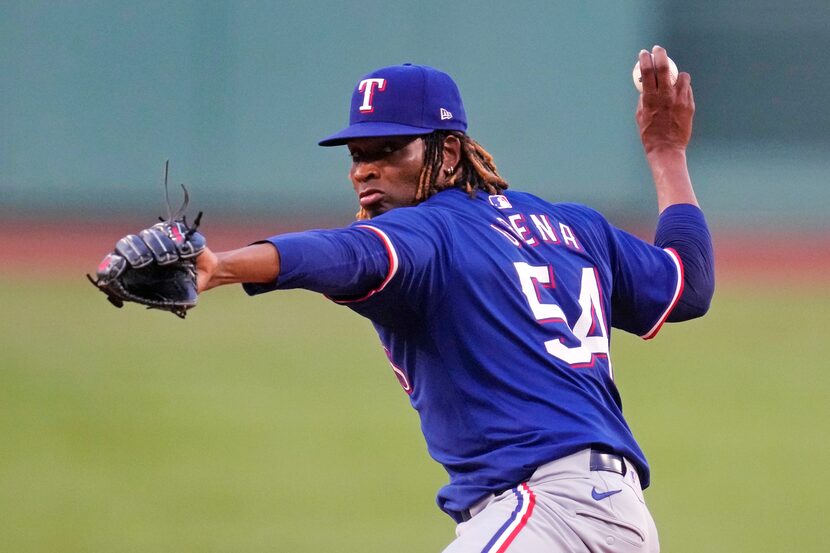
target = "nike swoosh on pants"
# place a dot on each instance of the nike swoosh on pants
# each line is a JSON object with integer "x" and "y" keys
{"x": 599, "y": 496}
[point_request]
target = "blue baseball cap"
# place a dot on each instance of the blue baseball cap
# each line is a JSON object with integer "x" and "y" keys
{"x": 402, "y": 100}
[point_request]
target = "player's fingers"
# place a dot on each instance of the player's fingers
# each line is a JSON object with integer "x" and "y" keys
{"x": 684, "y": 87}
{"x": 683, "y": 92}
{"x": 647, "y": 73}
{"x": 638, "y": 115}
{"x": 660, "y": 60}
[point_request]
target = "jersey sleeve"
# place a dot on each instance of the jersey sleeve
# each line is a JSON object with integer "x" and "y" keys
{"x": 418, "y": 247}
{"x": 350, "y": 261}
{"x": 683, "y": 228}
{"x": 647, "y": 283}
{"x": 394, "y": 263}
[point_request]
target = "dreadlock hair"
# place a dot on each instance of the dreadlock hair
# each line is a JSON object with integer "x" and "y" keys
{"x": 475, "y": 171}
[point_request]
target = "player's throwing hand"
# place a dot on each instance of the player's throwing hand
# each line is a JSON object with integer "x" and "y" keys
{"x": 664, "y": 112}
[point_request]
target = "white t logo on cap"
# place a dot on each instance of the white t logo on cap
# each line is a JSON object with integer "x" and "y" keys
{"x": 367, "y": 87}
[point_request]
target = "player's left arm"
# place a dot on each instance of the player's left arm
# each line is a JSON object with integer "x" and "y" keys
{"x": 258, "y": 263}
{"x": 398, "y": 252}
{"x": 334, "y": 262}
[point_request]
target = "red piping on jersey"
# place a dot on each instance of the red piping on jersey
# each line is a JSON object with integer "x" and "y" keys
{"x": 677, "y": 293}
{"x": 393, "y": 265}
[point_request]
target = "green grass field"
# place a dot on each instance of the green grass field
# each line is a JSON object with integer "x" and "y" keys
{"x": 275, "y": 424}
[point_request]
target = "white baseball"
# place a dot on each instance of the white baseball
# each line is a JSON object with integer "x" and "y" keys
{"x": 638, "y": 79}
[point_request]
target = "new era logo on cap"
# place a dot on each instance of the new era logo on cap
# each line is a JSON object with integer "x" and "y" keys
{"x": 402, "y": 100}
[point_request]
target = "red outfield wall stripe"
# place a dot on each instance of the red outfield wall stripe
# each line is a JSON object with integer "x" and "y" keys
{"x": 52, "y": 248}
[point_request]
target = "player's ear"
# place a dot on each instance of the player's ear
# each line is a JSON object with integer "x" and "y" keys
{"x": 452, "y": 155}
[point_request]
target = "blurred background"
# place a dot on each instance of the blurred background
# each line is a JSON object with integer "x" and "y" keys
{"x": 274, "y": 424}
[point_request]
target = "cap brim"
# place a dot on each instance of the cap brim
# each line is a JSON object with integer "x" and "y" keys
{"x": 370, "y": 130}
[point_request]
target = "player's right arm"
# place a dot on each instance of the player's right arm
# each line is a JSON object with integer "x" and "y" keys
{"x": 664, "y": 118}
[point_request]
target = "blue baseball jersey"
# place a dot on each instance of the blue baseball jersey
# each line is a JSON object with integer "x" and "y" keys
{"x": 495, "y": 313}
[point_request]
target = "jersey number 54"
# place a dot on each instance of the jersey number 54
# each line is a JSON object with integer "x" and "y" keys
{"x": 589, "y": 331}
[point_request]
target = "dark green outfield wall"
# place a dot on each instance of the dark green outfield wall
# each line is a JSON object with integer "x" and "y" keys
{"x": 94, "y": 96}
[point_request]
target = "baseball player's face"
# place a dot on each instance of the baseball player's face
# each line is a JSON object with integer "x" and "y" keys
{"x": 385, "y": 171}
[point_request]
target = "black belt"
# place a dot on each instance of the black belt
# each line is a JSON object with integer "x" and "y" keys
{"x": 610, "y": 462}
{"x": 600, "y": 460}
